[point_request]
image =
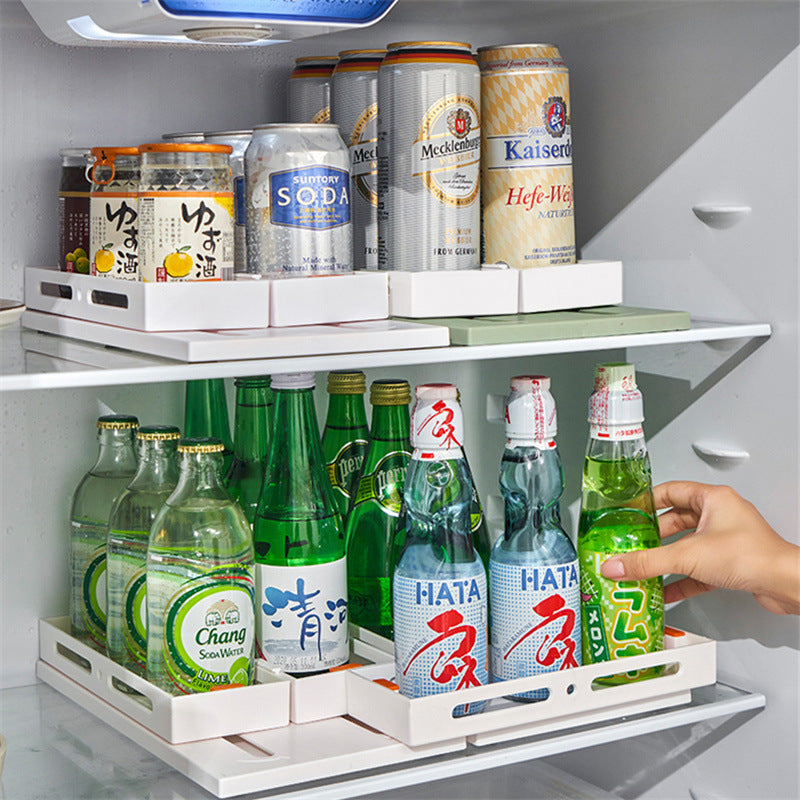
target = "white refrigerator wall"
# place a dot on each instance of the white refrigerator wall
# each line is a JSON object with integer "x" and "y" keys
{"x": 674, "y": 105}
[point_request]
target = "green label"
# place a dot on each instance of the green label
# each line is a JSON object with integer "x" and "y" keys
{"x": 343, "y": 470}
{"x": 134, "y": 617}
{"x": 385, "y": 485}
{"x": 93, "y": 607}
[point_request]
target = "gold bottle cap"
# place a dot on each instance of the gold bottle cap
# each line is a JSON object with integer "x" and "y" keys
{"x": 119, "y": 422}
{"x": 158, "y": 433}
{"x": 390, "y": 392}
{"x": 347, "y": 382}
{"x": 200, "y": 446}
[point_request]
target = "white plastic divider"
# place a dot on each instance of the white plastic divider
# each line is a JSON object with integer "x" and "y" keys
{"x": 689, "y": 661}
{"x": 176, "y": 719}
{"x": 587, "y": 284}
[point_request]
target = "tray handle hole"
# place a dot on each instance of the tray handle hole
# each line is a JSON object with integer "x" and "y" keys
{"x": 72, "y": 656}
{"x": 636, "y": 676}
{"x": 248, "y": 747}
{"x": 114, "y": 299}
{"x": 55, "y": 290}
{"x": 129, "y": 691}
{"x": 571, "y": 688}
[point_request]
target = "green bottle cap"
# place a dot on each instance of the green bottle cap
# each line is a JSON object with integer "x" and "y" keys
{"x": 117, "y": 422}
{"x": 390, "y": 392}
{"x": 615, "y": 377}
{"x": 347, "y": 382}
{"x": 158, "y": 433}
{"x": 253, "y": 382}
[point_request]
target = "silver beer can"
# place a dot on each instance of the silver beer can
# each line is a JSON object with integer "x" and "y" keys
{"x": 354, "y": 108}
{"x": 429, "y": 139}
{"x": 238, "y": 140}
{"x": 309, "y": 89}
{"x": 297, "y": 181}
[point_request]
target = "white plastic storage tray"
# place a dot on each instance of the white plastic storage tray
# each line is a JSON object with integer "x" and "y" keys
{"x": 176, "y": 719}
{"x": 587, "y": 284}
{"x": 689, "y": 661}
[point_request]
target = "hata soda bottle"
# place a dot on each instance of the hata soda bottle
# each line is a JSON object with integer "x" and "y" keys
{"x": 345, "y": 438}
{"x": 128, "y": 534}
{"x": 91, "y": 507}
{"x": 200, "y": 586}
{"x": 439, "y": 589}
{"x": 371, "y": 524}
{"x": 300, "y": 563}
{"x": 206, "y": 415}
{"x": 623, "y": 618}
{"x": 534, "y": 582}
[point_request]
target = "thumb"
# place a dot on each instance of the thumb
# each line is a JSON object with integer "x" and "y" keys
{"x": 640, "y": 564}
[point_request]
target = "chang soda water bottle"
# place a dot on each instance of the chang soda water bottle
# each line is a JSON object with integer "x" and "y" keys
{"x": 200, "y": 586}
{"x": 345, "y": 438}
{"x": 91, "y": 507}
{"x": 622, "y": 618}
{"x": 439, "y": 588}
{"x": 128, "y": 534}
{"x": 534, "y": 582}
{"x": 301, "y": 573}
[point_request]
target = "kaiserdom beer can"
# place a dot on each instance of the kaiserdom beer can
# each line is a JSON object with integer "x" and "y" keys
{"x": 354, "y": 108}
{"x": 429, "y": 135}
{"x": 309, "y": 89}
{"x": 297, "y": 179}
{"x": 528, "y": 218}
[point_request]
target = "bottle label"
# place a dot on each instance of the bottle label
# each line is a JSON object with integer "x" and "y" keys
{"x": 114, "y": 235}
{"x": 93, "y": 607}
{"x": 385, "y": 485}
{"x": 134, "y": 616}
{"x": 440, "y": 636}
{"x": 535, "y": 620}
{"x": 302, "y": 616}
{"x": 616, "y": 433}
{"x": 624, "y": 618}
{"x": 208, "y": 631}
{"x": 346, "y": 465}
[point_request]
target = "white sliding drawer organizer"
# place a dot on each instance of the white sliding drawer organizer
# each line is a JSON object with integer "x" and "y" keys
{"x": 283, "y": 731}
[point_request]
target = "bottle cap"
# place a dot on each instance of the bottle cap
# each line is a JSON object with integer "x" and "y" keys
{"x": 389, "y": 392}
{"x": 200, "y": 446}
{"x": 158, "y": 433}
{"x": 531, "y": 409}
{"x": 614, "y": 377}
{"x": 615, "y": 406}
{"x": 347, "y": 382}
{"x": 437, "y": 422}
{"x": 117, "y": 422}
{"x": 293, "y": 380}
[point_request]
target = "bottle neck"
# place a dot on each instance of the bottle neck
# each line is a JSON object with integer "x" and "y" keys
{"x": 391, "y": 424}
{"x": 117, "y": 451}
{"x": 346, "y": 411}
{"x": 616, "y": 449}
{"x": 252, "y": 422}
{"x": 158, "y": 464}
{"x": 207, "y": 411}
{"x": 200, "y": 477}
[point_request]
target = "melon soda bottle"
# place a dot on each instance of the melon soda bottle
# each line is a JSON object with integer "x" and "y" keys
{"x": 624, "y": 618}
{"x": 439, "y": 586}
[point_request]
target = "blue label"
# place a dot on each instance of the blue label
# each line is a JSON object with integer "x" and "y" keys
{"x": 239, "y": 200}
{"x": 315, "y": 198}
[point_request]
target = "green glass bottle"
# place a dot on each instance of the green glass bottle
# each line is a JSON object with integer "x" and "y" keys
{"x": 91, "y": 507}
{"x": 126, "y": 549}
{"x": 301, "y": 577}
{"x": 617, "y": 515}
{"x": 252, "y": 427}
{"x": 206, "y": 415}
{"x": 344, "y": 440}
{"x": 200, "y": 586}
{"x": 372, "y": 521}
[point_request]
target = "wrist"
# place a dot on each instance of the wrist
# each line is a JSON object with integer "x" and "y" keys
{"x": 785, "y": 588}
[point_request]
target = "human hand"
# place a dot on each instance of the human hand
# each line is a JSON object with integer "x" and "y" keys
{"x": 731, "y": 547}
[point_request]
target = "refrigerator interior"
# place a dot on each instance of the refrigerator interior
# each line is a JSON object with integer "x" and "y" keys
{"x": 675, "y": 105}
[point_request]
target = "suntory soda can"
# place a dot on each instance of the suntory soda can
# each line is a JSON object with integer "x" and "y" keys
{"x": 298, "y": 201}
{"x": 309, "y": 89}
{"x": 429, "y": 132}
{"x": 528, "y": 216}
{"x": 354, "y": 108}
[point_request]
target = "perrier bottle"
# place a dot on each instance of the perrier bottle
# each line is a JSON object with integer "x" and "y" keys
{"x": 206, "y": 415}
{"x": 301, "y": 577}
{"x": 623, "y": 618}
{"x": 91, "y": 507}
{"x": 344, "y": 440}
{"x": 376, "y": 507}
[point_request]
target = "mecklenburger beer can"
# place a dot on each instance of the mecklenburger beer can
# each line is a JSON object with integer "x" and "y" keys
{"x": 528, "y": 218}
{"x": 429, "y": 138}
{"x": 354, "y": 108}
{"x": 297, "y": 179}
{"x": 309, "y": 89}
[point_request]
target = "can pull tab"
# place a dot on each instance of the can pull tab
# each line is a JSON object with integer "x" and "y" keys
{"x": 103, "y": 159}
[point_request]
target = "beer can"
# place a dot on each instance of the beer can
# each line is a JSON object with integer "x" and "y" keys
{"x": 298, "y": 201}
{"x": 184, "y": 137}
{"x": 528, "y": 216}
{"x": 354, "y": 108}
{"x": 238, "y": 141}
{"x": 309, "y": 89}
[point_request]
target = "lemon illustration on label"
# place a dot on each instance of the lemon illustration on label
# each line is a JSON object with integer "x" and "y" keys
{"x": 103, "y": 259}
{"x": 178, "y": 264}
{"x": 240, "y": 672}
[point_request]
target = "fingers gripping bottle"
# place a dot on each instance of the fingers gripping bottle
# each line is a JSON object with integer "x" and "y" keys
{"x": 128, "y": 535}
{"x": 300, "y": 563}
{"x": 439, "y": 588}
{"x": 533, "y": 570}
{"x": 91, "y": 507}
{"x": 200, "y": 586}
{"x": 617, "y": 516}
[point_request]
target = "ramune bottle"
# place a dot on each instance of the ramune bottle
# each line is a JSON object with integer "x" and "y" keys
{"x": 252, "y": 430}
{"x": 534, "y": 581}
{"x": 372, "y": 521}
{"x": 91, "y": 507}
{"x": 344, "y": 440}
{"x": 299, "y": 541}
{"x": 617, "y": 515}
{"x": 206, "y": 415}
{"x": 439, "y": 589}
{"x": 200, "y": 586}
{"x": 128, "y": 534}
